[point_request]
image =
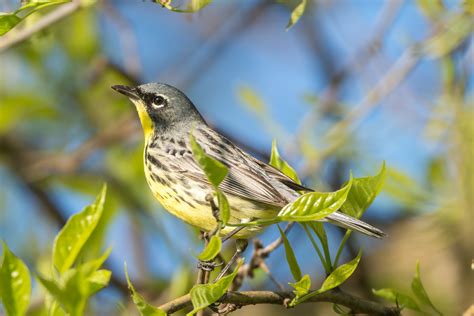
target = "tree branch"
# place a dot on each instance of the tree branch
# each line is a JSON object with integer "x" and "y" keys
{"x": 244, "y": 298}
{"x": 63, "y": 11}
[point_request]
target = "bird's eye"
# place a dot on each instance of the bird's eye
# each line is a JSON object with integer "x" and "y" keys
{"x": 159, "y": 101}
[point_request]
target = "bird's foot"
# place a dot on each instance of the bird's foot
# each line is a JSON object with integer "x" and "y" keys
{"x": 208, "y": 265}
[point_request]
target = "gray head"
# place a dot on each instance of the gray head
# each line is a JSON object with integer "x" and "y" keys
{"x": 161, "y": 106}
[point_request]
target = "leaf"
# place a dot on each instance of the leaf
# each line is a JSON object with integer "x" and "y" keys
{"x": 98, "y": 280}
{"x": 340, "y": 274}
{"x": 315, "y": 205}
{"x": 399, "y": 298}
{"x": 15, "y": 284}
{"x": 249, "y": 97}
{"x": 336, "y": 278}
{"x": 296, "y": 14}
{"x": 277, "y": 162}
{"x": 302, "y": 286}
{"x": 433, "y": 9}
{"x": 290, "y": 257}
{"x": 419, "y": 290}
{"x": 363, "y": 192}
{"x": 214, "y": 169}
{"x": 224, "y": 207}
{"x": 194, "y": 6}
{"x": 203, "y": 295}
{"x": 76, "y": 232}
{"x": 143, "y": 307}
{"x": 212, "y": 249}
{"x": 7, "y": 22}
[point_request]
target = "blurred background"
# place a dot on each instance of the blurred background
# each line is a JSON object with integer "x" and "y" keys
{"x": 352, "y": 84}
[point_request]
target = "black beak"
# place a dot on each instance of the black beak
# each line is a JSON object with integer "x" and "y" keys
{"x": 127, "y": 91}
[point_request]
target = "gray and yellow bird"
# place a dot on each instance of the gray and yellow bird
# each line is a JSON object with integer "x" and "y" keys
{"x": 255, "y": 190}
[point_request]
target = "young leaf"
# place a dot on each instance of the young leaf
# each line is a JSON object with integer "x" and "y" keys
{"x": 97, "y": 281}
{"x": 7, "y": 22}
{"x": 340, "y": 274}
{"x": 143, "y": 307}
{"x": 212, "y": 249}
{"x": 76, "y": 232}
{"x": 224, "y": 207}
{"x": 315, "y": 205}
{"x": 399, "y": 298}
{"x": 363, "y": 193}
{"x": 336, "y": 278}
{"x": 290, "y": 257}
{"x": 419, "y": 290}
{"x": 197, "y": 5}
{"x": 15, "y": 284}
{"x": 203, "y": 295}
{"x": 297, "y": 13}
{"x": 214, "y": 169}
{"x": 277, "y": 162}
{"x": 302, "y": 286}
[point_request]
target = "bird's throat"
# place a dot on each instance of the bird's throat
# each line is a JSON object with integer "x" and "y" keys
{"x": 145, "y": 119}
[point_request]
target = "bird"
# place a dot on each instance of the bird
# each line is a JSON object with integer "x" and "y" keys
{"x": 255, "y": 190}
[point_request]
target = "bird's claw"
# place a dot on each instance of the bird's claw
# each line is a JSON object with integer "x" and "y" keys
{"x": 208, "y": 265}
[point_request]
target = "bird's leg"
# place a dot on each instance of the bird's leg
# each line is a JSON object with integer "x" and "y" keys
{"x": 232, "y": 233}
{"x": 241, "y": 245}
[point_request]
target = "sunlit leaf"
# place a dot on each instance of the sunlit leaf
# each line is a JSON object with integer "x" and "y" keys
{"x": 419, "y": 290}
{"x": 363, "y": 193}
{"x": 214, "y": 169}
{"x": 224, "y": 207}
{"x": 401, "y": 299}
{"x": 301, "y": 287}
{"x": 144, "y": 308}
{"x": 315, "y": 205}
{"x": 433, "y": 9}
{"x": 203, "y": 295}
{"x": 212, "y": 249}
{"x": 290, "y": 257}
{"x": 277, "y": 162}
{"x": 7, "y": 22}
{"x": 194, "y": 6}
{"x": 15, "y": 284}
{"x": 297, "y": 13}
{"x": 197, "y": 5}
{"x": 98, "y": 280}
{"x": 76, "y": 232}
{"x": 335, "y": 279}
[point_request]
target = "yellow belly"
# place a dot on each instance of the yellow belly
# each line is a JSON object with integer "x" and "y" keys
{"x": 197, "y": 211}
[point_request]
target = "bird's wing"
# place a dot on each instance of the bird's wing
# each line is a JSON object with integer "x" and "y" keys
{"x": 245, "y": 179}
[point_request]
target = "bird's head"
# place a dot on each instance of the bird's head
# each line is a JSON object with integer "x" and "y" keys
{"x": 161, "y": 106}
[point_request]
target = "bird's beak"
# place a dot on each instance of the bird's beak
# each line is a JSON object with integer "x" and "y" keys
{"x": 127, "y": 91}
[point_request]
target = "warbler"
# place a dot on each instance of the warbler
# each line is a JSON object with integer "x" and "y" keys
{"x": 255, "y": 190}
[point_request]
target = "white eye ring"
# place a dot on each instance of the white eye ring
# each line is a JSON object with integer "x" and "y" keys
{"x": 159, "y": 101}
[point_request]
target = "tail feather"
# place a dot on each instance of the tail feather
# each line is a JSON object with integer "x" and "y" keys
{"x": 348, "y": 222}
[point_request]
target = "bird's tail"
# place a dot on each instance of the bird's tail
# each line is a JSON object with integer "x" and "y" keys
{"x": 348, "y": 222}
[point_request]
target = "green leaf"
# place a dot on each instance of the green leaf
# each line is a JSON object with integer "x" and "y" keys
{"x": 224, "y": 207}
{"x": 433, "y": 9}
{"x": 7, "y": 22}
{"x": 15, "y": 284}
{"x": 76, "y": 232}
{"x": 336, "y": 278}
{"x": 98, "y": 280}
{"x": 282, "y": 165}
{"x": 340, "y": 274}
{"x": 143, "y": 307}
{"x": 290, "y": 257}
{"x": 314, "y": 206}
{"x": 399, "y": 298}
{"x": 212, "y": 249}
{"x": 362, "y": 193}
{"x": 297, "y": 13}
{"x": 419, "y": 290}
{"x": 249, "y": 97}
{"x": 194, "y": 6}
{"x": 214, "y": 169}
{"x": 301, "y": 287}
{"x": 203, "y": 295}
